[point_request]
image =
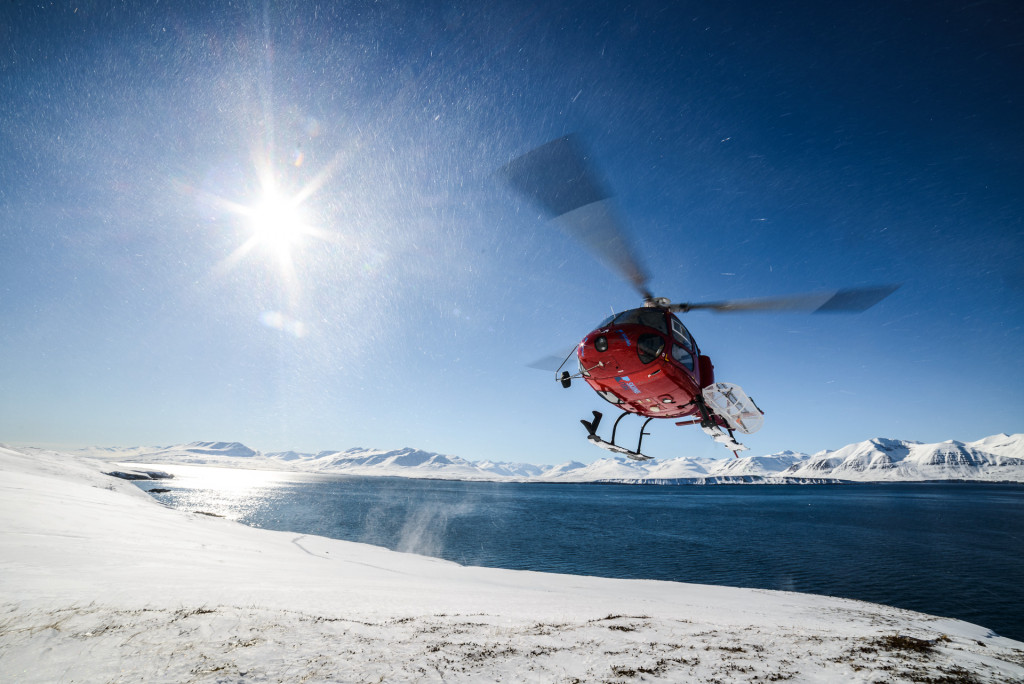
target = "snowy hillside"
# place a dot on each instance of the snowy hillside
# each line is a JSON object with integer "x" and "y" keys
{"x": 996, "y": 458}
{"x": 404, "y": 462}
{"x": 99, "y": 582}
{"x": 196, "y": 453}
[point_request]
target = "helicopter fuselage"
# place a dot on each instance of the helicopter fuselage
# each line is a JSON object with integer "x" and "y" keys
{"x": 645, "y": 361}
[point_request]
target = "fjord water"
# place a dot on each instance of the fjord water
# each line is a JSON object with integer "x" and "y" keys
{"x": 951, "y": 549}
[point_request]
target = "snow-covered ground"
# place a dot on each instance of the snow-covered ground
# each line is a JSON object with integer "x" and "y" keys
{"x": 997, "y": 458}
{"x": 100, "y": 583}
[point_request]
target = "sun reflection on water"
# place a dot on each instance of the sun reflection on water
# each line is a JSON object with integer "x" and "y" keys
{"x": 232, "y": 493}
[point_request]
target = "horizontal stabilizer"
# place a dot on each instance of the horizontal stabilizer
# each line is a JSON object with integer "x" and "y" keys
{"x": 552, "y": 362}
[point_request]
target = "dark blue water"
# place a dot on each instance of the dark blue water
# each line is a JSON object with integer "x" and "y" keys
{"x": 948, "y": 549}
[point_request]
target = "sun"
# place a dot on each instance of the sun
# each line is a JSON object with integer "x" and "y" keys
{"x": 275, "y": 224}
{"x": 278, "y": 224}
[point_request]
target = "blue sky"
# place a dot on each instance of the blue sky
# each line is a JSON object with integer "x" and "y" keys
{"x": 754, "y": 150}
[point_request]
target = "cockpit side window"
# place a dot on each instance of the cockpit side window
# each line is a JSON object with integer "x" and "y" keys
{"x": 681, "y": 334}
{"x": 683, "y": 349}
{"x": 683, "y": 355}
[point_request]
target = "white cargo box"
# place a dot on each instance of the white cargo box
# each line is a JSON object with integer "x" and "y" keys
{"x": 732, "y": 403}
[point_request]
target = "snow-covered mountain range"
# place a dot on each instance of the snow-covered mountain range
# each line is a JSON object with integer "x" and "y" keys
{"x": 999, "y": 458}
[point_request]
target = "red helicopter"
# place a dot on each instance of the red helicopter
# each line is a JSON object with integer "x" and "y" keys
{"x": 644, "y": 361}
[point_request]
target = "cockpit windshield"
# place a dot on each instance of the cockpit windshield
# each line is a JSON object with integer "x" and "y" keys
{"x": 652, "y": 318}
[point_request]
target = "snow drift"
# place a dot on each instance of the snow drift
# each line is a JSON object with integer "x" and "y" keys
{"x": 98, "y": 582}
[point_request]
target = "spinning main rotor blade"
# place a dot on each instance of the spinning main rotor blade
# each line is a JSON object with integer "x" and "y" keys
{"x": 559, "y": 178}
{"x": 552, "y": 362}
{"x": 838, "y": 301}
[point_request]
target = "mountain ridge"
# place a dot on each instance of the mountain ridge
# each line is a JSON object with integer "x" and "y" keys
{"x": 997, "y": 458}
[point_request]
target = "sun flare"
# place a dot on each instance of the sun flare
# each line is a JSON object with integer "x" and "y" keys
{"x": 277, "y": 224}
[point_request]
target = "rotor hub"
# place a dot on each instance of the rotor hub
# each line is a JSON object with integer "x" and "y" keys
{"x": 657, "y": 302}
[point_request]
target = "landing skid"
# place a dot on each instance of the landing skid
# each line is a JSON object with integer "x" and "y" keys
{"x": 724, "y": 438}
{"x": 592, "y": 425}
{"x": 721, "y": 432}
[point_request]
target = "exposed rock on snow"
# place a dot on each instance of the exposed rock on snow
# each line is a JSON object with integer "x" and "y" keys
{"x": 728, "y": 480}
{"x": 140, "y": 474}
{"x": 85, "y": 595}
